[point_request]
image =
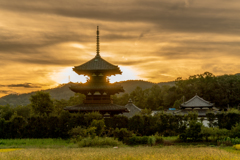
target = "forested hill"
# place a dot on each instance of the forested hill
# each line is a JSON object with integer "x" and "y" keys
{"x": 63, "y": 92}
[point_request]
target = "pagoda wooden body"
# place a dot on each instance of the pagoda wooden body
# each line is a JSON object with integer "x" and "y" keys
{"x": 97, "y": 89}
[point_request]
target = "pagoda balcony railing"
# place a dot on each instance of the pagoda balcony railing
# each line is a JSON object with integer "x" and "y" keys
{"x": 97, "y": 101}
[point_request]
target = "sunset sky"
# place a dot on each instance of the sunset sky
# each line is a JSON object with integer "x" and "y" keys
{"x": 153, "y": 40}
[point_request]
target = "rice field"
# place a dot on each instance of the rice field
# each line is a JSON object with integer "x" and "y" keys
{"x": 125, "y": 153}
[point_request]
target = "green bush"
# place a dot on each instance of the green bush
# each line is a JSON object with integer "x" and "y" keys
{"x": 210, "y": 117}
{"x": 229, "y": 141}
{"x": 122, "y": 134}
{"x": 89, "y": 117}
{"x": 99, "y": 142}
{"x": 136, "y": 140}
{"x": 136, "y": 124}
{"x": 99, "y": 125}
{"x": 193, "y": 132}
{"x": 214, "y": 133}
{"x": 141, "y": 140}
{"x": 152, "y": 140}
{"x": 158, "y": 138}
{"x": 79, "y": 133}
{"x": 235, "y": 131}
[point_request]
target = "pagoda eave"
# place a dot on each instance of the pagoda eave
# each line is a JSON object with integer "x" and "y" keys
{"x": 97, "y": 107}
{"x": 90, "y": 72}
{"x": 97, "y": 88}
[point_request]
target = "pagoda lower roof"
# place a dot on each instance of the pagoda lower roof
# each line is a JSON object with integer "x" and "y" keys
{"x": 97, "y": 107}
{"x": 96, "y": 87}
{"x": 97, "y": 64}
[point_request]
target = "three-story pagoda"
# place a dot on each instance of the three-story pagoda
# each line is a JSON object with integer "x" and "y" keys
{"x": 97, "y": 89}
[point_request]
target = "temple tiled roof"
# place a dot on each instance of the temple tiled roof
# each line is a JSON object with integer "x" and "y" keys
{"x": 197, "y": 101}
{"x": 96, "y": 107}
{"x": 133, "y": 110}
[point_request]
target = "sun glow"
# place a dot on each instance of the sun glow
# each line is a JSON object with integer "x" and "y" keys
{"x": 67, "y": 75}
{"x": 127, "y": 74}
{"x": 77, "y": 45}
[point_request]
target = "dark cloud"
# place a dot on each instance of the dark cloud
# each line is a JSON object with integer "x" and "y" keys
{"x": 183, "y": 16}
{"x": 6, "y": 92}
{"x": 32, "y": 45}
{"x": 24, "y": 85}
{"x": 135, "y": 62}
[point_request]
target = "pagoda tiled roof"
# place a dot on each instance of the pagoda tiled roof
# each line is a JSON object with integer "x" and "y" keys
{"x": 97, "y": 107}
{"x": 97, "y": 64}
{"x": 197, "y": 101}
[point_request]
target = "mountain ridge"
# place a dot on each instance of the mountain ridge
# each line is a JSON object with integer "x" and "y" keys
{"x": 62, "y": 91}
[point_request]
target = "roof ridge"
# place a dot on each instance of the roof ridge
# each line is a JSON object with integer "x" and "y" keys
{"x": 132, "y": 104}
{"x": 197, "y": 97}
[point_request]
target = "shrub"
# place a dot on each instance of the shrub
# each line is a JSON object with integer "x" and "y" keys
{"x": 122, "y": 134}
{"x": 152, "y": 140}
{"x": 139, "y": 140}
{"x": 117, "y": 121}
{"x": 237, "y": 146}
{"x": 99, "y": 142}
{"x": 229, "y": 141}
{"x": 99, "y": 125}
{"x": 78, "y": 132}
{"x": 158, "y": 138}
{"x": 207, "y": 132}
{"x": 136, "y": 140}
{"x": 136, "y": 124}
{"x": 235, "y": 131}
{"x": 210, "y": 117}
{"x": 193, "y": 132}
{"x": 89, "y": 117}
{"x": 17, "y": 126}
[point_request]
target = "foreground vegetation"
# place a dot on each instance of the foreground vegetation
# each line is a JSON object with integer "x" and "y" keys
{"x": 36, "y": 143}
{"x": 125, "y": 153}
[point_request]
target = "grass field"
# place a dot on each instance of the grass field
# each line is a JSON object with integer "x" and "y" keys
{"x": 125, "y": 153}
{"x": 35, "y": 143}
{"x": 51, "y": 149}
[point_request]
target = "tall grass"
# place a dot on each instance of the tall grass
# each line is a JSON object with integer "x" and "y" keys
{"x": 126, "y": 153}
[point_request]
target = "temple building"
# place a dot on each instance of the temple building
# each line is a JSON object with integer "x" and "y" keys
{"x": 133, "y": 110}
{"x": 97, "y": 89}
{"x": 197, "y": 104}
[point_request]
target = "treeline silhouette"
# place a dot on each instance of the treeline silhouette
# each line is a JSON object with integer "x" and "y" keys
{"x": 223, "y": 90}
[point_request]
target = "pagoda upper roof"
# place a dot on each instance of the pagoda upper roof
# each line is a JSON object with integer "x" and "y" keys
{"x": 97, "y": 64}
{"x": 197, "y": 101}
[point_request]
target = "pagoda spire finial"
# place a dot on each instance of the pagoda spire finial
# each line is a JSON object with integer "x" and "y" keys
{"x": 98, "y": 50}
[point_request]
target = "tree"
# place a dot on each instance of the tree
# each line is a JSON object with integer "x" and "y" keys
{"x": 76, "y": 99}
{"x": 41, "y": 103}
